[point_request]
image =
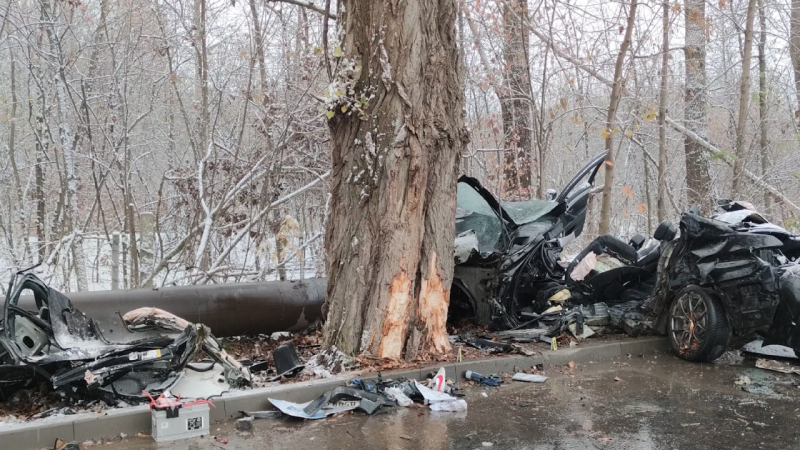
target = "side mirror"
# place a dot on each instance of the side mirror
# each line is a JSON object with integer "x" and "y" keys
{"x": 551, "y": 195}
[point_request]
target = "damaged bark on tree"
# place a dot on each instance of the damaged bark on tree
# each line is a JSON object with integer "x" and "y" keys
{"x": 396, "y": 136}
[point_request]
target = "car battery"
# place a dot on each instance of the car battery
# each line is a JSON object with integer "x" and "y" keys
{"x": 172, "y": 420}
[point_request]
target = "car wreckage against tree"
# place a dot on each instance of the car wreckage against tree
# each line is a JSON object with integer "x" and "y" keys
{"x": 700, "y": 283}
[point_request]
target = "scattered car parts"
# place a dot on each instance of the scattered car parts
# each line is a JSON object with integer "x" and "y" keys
{"x": 60, "y": 344}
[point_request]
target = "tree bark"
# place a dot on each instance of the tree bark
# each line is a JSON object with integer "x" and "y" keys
{"x": 611, "y": 120}
{"x": 763, "y": 141}
{"x": 744, "y": 100}
{"x": 794, "y": 53}
{"x": 389, "y": 236}
{"x": 698, "y": 178}
{"x": 662, "y": 117}
{"x": 514, "y": 104}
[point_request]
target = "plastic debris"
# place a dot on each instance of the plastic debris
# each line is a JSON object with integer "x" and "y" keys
{"x": 287, "y": 363}
{"x": 585, "y": 333}
{"x": 396, "y": 394}
{"x": 245, "y": 423}
{"x": 431, "y": 396}
{"x": 454, "y": 406}
{"x": 439, "y": 382}
{"x": 263, "y": 414}
{"x": 529, "y": 378}
{"x": 486, "y": 381}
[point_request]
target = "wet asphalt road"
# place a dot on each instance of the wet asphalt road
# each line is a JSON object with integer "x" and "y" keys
{"x": 630, "y": 403}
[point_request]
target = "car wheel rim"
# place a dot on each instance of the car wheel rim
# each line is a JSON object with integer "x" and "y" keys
{"x": 689, "y": 321}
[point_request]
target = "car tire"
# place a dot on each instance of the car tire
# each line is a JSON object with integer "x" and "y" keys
{"x": 697, "y": 326}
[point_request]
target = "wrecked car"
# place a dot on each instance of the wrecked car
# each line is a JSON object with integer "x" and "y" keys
{"x": 506, "y": 253}
{"x": 718, "y": 280}
{"x": 59, "y": 344}
{"x": 610, "y": 270}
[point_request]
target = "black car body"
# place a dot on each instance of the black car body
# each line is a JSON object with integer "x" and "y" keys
{"x": 506, "y": 253}
{"x": 720, "y": 279}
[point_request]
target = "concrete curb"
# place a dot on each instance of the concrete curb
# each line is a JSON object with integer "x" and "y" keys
{"x": 109, "y": 424}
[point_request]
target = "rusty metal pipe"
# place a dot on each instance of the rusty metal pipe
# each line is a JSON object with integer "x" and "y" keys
{"x": 228, "y": 309}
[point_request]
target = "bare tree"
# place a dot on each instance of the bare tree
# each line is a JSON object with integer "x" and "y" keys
{"x": 763, "y": 140}
{"x": 744, "y": 99}
{"x": 515, "y": 102}
{"x": 611, "y": 121}
{"x": 662, "y": 116}
{"x": 698, "y": 178}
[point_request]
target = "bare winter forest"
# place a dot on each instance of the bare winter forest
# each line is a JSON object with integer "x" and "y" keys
{"x": 189, "y": 139}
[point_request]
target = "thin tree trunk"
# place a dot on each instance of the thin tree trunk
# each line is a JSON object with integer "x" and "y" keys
{"x": 744, "y": 100}
{"x": 794, "y": 53}
{"x": 515, "y": 107}
{"x": 389, "y": 236}
{"x": 68, "y": 144}
{"x": 662, "y": 117}
{"x": 611, "y": 120}
{"x": 762, "y": 99}
{"x": 12, "y": 131}
{"x": 698, "y": 178}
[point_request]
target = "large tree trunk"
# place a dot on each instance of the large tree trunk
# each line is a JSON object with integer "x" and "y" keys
{"x": 698, "y": 178}
{"x": 762, "y": 99}
{"x": 394, "y": 152}
{"x": 514, "y": 103}
{"x": 611, "y": 121}
{"x": 744, "y": 100}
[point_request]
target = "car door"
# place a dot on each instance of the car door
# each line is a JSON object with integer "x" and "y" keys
{"x": 576, "y": 196}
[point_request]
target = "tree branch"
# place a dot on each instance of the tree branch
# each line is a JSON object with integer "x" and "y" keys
{"x": 307, "y": 5}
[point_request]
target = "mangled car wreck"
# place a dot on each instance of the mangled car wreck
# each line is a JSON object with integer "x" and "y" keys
{"x": 506, "y": 254}
{"x": 59, "y": 344}
{"x": 701, "y": 283}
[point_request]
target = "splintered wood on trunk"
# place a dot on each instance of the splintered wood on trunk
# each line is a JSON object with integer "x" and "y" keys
{"x": 397, "y": 132}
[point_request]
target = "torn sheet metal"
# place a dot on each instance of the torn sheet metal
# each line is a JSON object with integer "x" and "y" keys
{"x": 778, "y": 351}
{"x": 297, "y": 409}
{"x": 341, "y": 393}
{"x": 60, "y": 344}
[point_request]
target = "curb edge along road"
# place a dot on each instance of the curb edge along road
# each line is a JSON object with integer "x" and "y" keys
{"x": 109, "y": 424}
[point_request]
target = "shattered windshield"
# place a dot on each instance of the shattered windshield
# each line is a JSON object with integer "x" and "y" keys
{"x": 474, "y": 213}
{"x": 527, "y": 211}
